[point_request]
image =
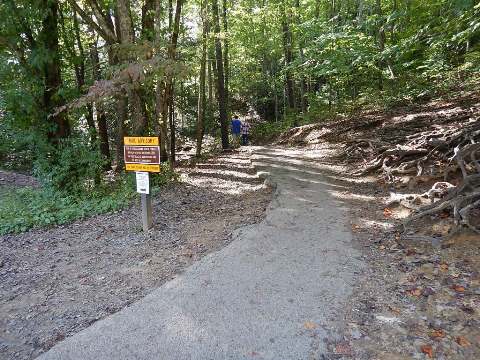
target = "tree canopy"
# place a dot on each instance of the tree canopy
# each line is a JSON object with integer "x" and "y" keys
{"x": 86, "y": 73}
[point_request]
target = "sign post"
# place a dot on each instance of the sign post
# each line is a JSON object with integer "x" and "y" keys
{"x": 142, "y": 155}
{"x": 143, "y": 188}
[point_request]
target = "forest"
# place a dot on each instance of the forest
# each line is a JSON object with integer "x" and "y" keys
{"x": 78, "y": 76}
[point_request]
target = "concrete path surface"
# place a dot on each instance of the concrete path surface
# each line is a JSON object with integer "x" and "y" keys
{"x": 275, "y": 292}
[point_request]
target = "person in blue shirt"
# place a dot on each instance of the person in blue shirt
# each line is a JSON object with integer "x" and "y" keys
{"x": 236, "y": 128}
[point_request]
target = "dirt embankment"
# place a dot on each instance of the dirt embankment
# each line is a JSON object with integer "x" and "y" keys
{"x": 55, "y": 282}
{"x": 420, "y": 296}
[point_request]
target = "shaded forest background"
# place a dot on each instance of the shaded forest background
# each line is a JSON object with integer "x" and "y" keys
{"x": 78, "y": 76}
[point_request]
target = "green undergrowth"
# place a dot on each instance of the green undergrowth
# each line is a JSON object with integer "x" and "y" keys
{"x": 22, "y": 209}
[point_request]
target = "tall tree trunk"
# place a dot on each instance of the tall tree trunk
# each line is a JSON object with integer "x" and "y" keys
{"x": 287, "y": 50}
{"x": 122, "y": 113}
{"x": 173, "y": 128}
{"x": 59, "y": 126}
{"x": 171, "y": 54}
{"x": 140, "y": 121}
{"x": 210, "y": 77}
{"x": 222, "y": 106}
{"x": 78, "y": 62}
{"x": 80, "y": 74}
{"x": 303, "y": 82}
{"x": 148, "y": 19}
{"x": 201, "y": 89}
{"x": 121, "y": 106}
{"x": 226, "y": 62}
{"x": 381, "y": 41}
{"x": 164, "y": 90}
{"x": 360, "y": 9}
{"x": 99, "y": 108}
{"x": 159, "y": 125}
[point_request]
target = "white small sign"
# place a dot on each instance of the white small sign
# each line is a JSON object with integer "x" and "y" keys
{"x": 143, "y": 183}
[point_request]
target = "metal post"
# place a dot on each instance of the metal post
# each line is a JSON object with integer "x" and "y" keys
{"x": 147, "y": 219}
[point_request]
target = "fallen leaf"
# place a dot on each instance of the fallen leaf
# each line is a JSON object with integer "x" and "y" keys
{"x": 309, "y": 325}
{"x": 444, "y": 215}
{"x": 394, "y": 310}
{"x": 443, "y": 267}
{"x": 468, "y": 309}
{"x": 458, "y": 288}
{"x": 427, "y": 350}
{"x": 387, "y": 212}
{"x": 355, "y": 227}
{"x": 343, "y": 349}
{"x": 415, "y": 292}
{"x": 428, "y": 291}
{"x": 410, "y": 252}
{"x": 462, "y": 341}
{"x": 438, "y": 334}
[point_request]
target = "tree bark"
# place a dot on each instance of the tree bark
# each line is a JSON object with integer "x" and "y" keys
{"x": 148, "y": 19}
{"x": 303, "y": 82}
{"x": 201, "y": 89}
{"x": 220, "y": 77}
{"x": 127, "y": 35}
{"x": 226, "y": 61}
{"x": 78, "y": 63}
{"x": 173, "y": 128}
{"x": 171, "y": 54}
{"x": 160, "y": 126}
{"x": 381, "y": 41}
{"x": 288, "y": 54}
{"x": 101, "y": 116}
{"x": 164, "y": 89}
{"x": 59, "y": 126}
{"x": 122, "y": 113}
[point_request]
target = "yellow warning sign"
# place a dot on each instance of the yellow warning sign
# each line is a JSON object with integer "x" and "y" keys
{"x": 142, "y": 167}
{"x": 141, "y": 141}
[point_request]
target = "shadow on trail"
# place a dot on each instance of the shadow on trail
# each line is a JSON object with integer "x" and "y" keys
{"x": 308, "y": 166}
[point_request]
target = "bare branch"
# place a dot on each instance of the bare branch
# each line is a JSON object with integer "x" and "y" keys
{"x": 103, "y": 31}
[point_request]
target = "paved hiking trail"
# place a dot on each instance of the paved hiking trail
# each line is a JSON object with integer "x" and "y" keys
{"x": 276, "y": 292}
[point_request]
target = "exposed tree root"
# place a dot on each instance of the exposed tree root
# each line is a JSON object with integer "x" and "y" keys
{"x": 448, "y": 149}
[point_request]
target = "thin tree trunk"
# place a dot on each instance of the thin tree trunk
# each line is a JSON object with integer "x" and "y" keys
{"x": 122, "y": 113}
{"x": 171, "y": 53}
{"x": 303, "y": 83}
{"x": 222, "y": 106}
{"x": 140, "y": 121}
{"x": 287, "y": 49}
{"x": 210, "y": 77}
{"x": 381, "y": 42}
{"x": 52, "y": 72}
{"x": 101, "y": 116}
{"x": 160, "y": 126}
{"x": 360, "y": 8}
{"x": 148, "y": 19}
{"x": 226, "y": 61}
{"x": 78, "y": 61}
{"x": 171, "y": 119}
{"x": 201, "y": 89}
